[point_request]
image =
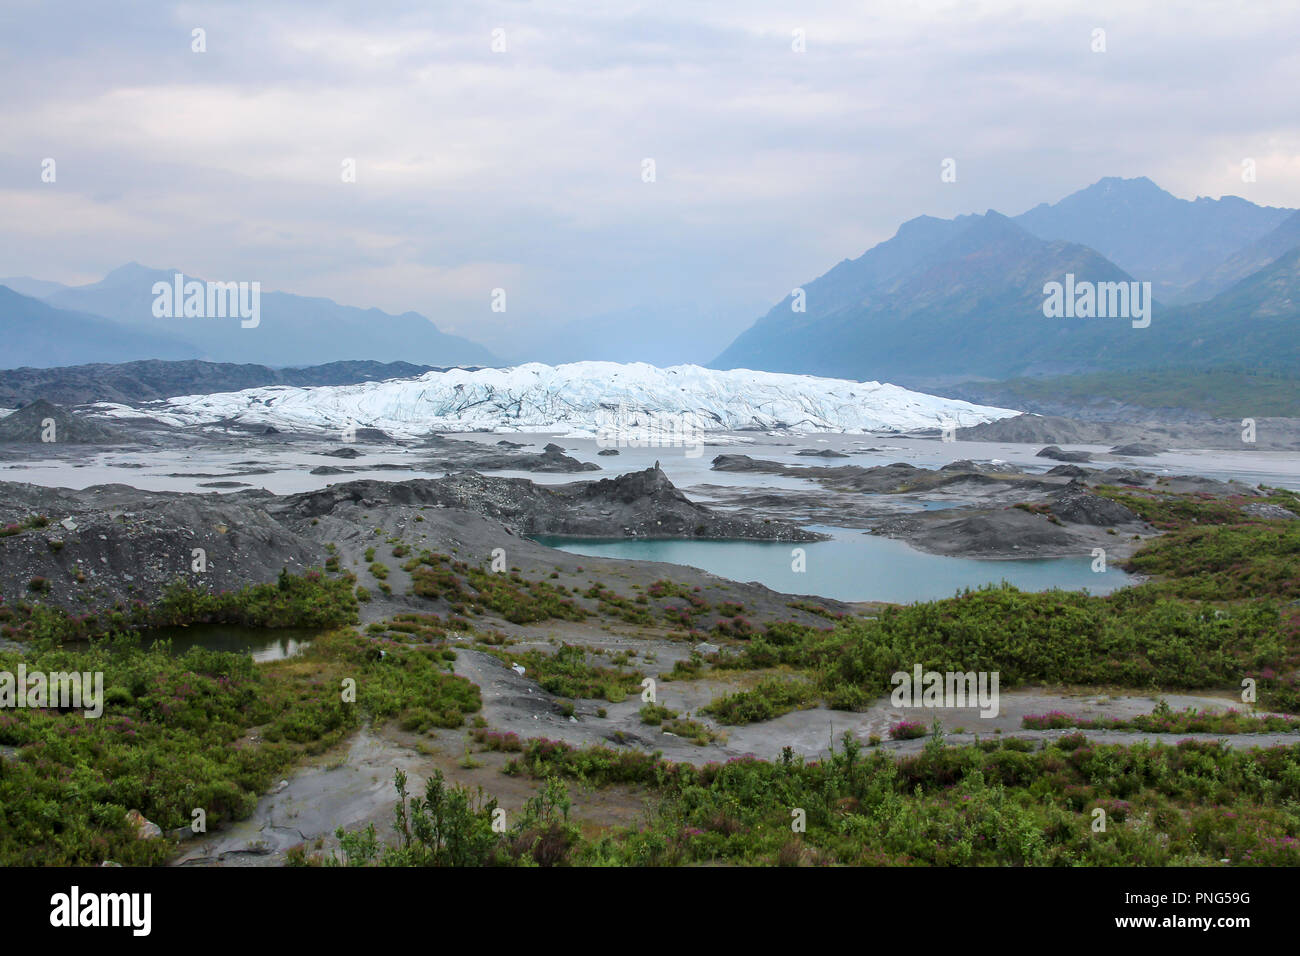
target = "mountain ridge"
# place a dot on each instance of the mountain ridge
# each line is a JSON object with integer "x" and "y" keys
{"x": 960, "y": 300}
{"x": 154, "y": 380}
{"x": 293, "y": 329}
{"x": 1151, "y": 233}
{"x": 39, "y": 335}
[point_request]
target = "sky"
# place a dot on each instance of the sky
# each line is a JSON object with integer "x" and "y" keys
{"x": 784, "y": 138}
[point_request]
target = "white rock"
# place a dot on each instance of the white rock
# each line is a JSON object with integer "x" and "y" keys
{"x": 144, "y": 829}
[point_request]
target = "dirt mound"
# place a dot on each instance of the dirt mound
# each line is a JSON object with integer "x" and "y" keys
{"x": 1069, "y": 471}
{"x": 983, "y": 467}
{"x": 1127, "y": 476}
{"x": 1004, "y": 533}
{"x": 1077, "y": 505}
{"x": 638, "y": 504}
{"x": 111, "y": 543}
{"x": 1137, "y": 449}
{"x": 1036, "y": 429}
{"x": 42, "y": 421}
{"x": 456, "y": 455}
{"x": 1059, "y": 454}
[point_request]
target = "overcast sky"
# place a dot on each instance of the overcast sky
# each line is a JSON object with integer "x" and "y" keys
{"x": 522, "y": 169}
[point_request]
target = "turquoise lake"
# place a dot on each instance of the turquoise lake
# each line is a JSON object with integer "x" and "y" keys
{"x": 852, "y": 566}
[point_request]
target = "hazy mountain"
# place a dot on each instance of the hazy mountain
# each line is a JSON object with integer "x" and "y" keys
{"x": 958, "y": 300}
{"x": 1248, "y": 260}
{"x": 1233, "y": 356}
{"x": 36, "y": 334}
{"x": 36, "y": 288}
{"x": 293, "y": 330}
{"x": 943, "y": 300}
{"x": 1153, "y": 235}
{"x": 1252, "y": 325}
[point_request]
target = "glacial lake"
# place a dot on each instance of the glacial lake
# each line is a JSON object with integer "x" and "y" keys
{"x": 852, "y": 566}
{"x": 262, "y": 643}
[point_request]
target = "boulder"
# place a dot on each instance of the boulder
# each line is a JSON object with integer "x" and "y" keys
{"x": 1266, "y": 509}
{"x": 144, "y": 829}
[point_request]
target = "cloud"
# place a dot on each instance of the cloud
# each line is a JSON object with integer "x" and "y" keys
{"x": 522, "y": 169}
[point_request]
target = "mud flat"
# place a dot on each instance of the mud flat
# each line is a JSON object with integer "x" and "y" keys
{"x": 990, "y": 509}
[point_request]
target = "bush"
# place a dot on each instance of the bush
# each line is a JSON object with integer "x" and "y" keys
{"x": 772, "y": 697}
{"x": 907, "y": 730}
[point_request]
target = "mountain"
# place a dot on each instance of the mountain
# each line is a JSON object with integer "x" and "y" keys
{"x": 1236, "y": 355}
{"x": 662, "y": 405}
{"x": 942, "y": 301}
{"x": 37, "y": 334}
{"x": 1153, "y": 235}
{"x": 1253, "y": 324}
{"x": 153, "y": 380}
{"x": 961, "y": 300}
{"x": 1248, "y": 260}
{"x": 293, "y": 330}
{"x": 36, "y": 288}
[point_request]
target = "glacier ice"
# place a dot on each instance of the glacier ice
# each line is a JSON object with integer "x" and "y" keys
{"x": 579, "y": 399}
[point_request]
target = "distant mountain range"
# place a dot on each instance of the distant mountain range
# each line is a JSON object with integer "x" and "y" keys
{"x": 943, "y": 302}
{"x": 1246, "y": 261}
{"x": 35, "y": 288}
{"x": 1155, "y": 236}
{"x": 49, "y": 324}
{"x": 152, "y": 380}
{"x": 35, "y": 333}
{"x": 947, "y": 301}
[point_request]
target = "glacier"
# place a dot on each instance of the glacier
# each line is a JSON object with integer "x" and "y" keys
{"x": 580, "y": 399}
